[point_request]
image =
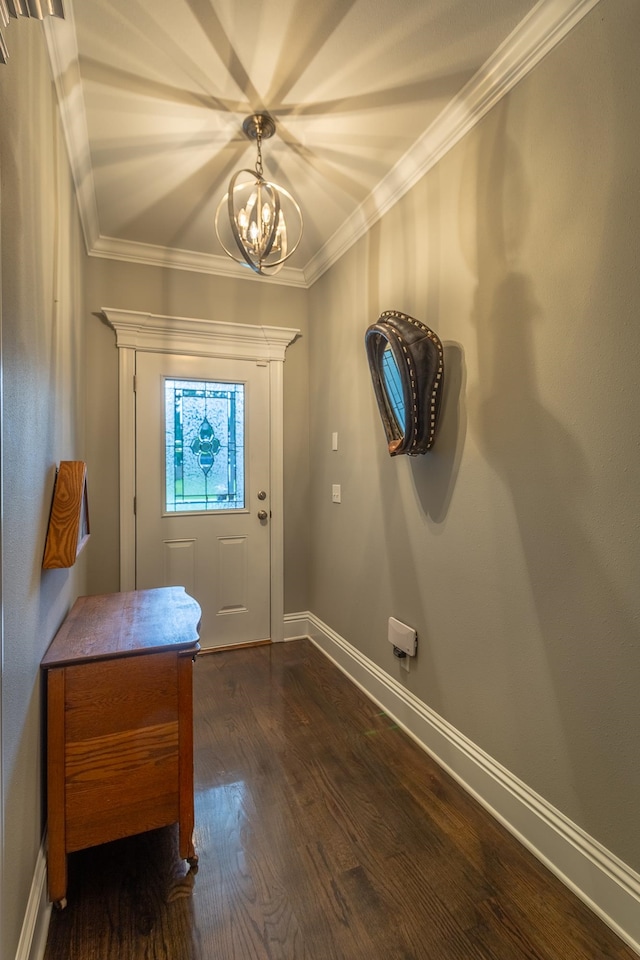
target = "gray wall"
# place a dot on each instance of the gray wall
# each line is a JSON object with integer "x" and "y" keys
{"x": 43, "y": 399}
{"x": 128, "y": 286}
{"x": 512, "y": 547}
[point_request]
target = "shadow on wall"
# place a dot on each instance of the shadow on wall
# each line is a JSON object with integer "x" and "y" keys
{"x": 434, "y": 474}
{"x": 408, "y": 278}
{"x": 585, "y": 630}
{"x": 393, "y": 281}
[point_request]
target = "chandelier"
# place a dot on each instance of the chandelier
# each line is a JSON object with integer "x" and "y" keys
{"x": 258, "y": 223}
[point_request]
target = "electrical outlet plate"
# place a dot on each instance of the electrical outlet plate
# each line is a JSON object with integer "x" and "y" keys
{"x": 402, "y": 636}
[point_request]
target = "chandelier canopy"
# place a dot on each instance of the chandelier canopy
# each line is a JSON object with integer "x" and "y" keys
{"x": 258, "y": 223}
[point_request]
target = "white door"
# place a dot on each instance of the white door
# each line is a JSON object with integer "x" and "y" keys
{"x": 202, "y": 496}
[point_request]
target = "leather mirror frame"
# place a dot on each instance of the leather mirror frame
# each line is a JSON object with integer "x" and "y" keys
{"x": 419, "y": 357}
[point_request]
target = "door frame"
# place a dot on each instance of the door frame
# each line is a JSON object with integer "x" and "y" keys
{"x": 153, "y": 333}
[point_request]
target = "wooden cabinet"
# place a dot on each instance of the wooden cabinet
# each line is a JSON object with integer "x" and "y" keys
{"x": 120, "y": 723}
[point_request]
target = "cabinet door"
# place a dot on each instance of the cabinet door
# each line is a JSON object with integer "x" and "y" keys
{"x": 121, "y": 748}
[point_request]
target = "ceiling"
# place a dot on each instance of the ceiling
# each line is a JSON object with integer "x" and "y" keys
{"x": 366, "y": 95}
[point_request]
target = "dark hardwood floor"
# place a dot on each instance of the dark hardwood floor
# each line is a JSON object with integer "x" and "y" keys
{"x": 324, "y": 833}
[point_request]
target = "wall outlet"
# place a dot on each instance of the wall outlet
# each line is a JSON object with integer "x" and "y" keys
{"x": 336, "y": 495}
{"x": 402, "y": 636}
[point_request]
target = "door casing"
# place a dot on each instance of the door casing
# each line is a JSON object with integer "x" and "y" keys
{"x": 136, "y": 331}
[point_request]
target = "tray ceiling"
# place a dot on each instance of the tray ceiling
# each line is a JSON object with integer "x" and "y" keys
{"x": 366, "y": 94}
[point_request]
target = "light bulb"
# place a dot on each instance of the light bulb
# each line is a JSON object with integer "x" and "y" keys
{"x": 251, "y": 202}
{"x": 281, "y": 234}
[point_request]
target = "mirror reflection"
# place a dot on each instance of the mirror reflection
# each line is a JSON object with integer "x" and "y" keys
{"x": 393, "y": 386}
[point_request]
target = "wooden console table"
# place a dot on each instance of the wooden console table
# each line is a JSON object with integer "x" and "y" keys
{"x": 120, "y": 723}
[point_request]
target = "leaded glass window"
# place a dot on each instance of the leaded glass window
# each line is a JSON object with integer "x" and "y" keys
{"x": 204, "y": 445}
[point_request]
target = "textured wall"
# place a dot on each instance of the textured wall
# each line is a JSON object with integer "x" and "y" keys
{"x": 43, "y": 383}
{"x": 513, "y": 546}
{"x": 178, "y": 293}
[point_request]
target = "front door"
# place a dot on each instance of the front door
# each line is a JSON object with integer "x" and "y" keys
{"x": 202, "y": 495}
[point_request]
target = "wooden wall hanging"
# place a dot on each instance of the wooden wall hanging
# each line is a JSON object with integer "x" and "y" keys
{"x": 68, "y": 529}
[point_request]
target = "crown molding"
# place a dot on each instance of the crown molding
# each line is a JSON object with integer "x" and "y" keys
{"x": 546, "y": 25}
{"x": 132, "y": 251}
{"x": 534, "y": 37}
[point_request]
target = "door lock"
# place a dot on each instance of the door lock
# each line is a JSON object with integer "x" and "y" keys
{"x": 262, "y": 495}
{"x": 262, "y": 514}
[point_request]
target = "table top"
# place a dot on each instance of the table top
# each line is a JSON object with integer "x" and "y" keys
{"x": 126, "y": 624}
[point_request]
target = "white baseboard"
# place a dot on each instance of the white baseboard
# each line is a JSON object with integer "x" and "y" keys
{"x": 297, "y": 626}
{"x": 605, "y": 883}
{"x": 33, "y": 938}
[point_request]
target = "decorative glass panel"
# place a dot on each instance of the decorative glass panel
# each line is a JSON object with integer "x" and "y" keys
{"x": 204, "y": 445}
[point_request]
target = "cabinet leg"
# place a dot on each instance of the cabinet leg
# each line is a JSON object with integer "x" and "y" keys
{"x": 56, "y": 841}
{"x": 57, "y": 871}
{"x": 185, "y": 845}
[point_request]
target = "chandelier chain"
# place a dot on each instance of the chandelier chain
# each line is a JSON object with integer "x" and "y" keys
{"x": 259, "y": 170}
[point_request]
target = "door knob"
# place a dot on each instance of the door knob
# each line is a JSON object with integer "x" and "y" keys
{"x": 262, "y": 514}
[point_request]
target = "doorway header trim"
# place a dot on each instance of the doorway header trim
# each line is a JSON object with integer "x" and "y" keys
{"x": 155, "y": 333}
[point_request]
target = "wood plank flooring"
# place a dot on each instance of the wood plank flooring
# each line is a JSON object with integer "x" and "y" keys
{"x": 324, "y": 833}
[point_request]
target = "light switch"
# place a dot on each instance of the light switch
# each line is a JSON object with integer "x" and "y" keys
{"x": 334, "y": 441}
{"x": 336, "y": 495}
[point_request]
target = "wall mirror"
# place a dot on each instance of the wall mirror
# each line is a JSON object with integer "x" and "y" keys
{"x": 406, "y": 362}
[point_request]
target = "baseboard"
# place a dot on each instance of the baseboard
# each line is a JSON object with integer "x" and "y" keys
{"x": 33, "y": 938}
{"x": 297, "y": 626}
{"x": 205, "y": 651}
{"x": 605, "y": 883}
